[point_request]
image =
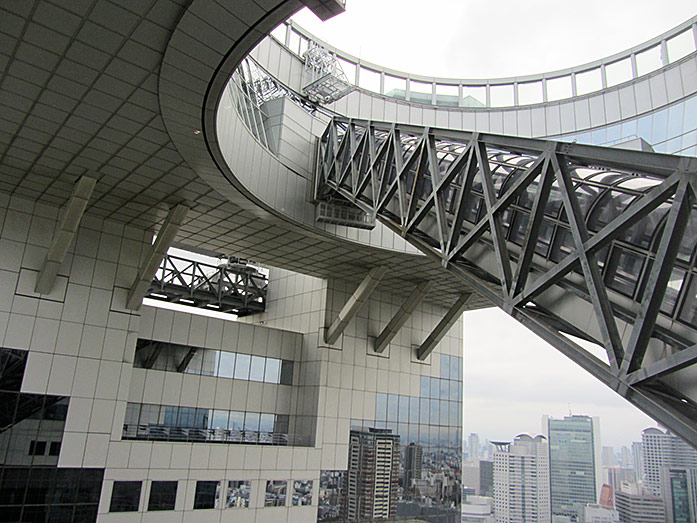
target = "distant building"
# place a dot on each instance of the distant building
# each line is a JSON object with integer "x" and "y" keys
{"x": 413, "y": 460}
{"x": 372, "y": 477}
{"x": 474, "y": 448}
{"x": 679, "y": 490}
{"x": 607, "y": 496}
{"x": 638, "y": 460}
{"x": 663, "y": 449}
{"x": 478, "y": 509}
{"x": 614, "y": 476}
{"x": 521, "y": 481}
{"x": 574, "y": 464}
{"x": 593, "y": 513}
{"x": 608, "y": 455}
{"x": 479, "y": 476}
{"x": 637, "y": 506}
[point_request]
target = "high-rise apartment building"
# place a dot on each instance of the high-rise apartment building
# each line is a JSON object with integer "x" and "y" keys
{"x": 636, "y": 505}
{"x": 373, "y": 475}
{"x": 521, "y": 480}
{"x": 679, "y": 492}
{"x": 638, "y": 460}
{"x": 663, "y": 449}
{"x": 574, "y": 463}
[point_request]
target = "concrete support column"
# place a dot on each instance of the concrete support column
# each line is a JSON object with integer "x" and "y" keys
{"x": 402, "y": 315}
{"x": 443, "y": 326}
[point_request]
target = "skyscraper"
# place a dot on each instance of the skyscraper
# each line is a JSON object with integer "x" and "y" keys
{"x": 413, "y": 459}
{"x": 663, "y": 449}
{"x": 473, "y": 446}
{"x": 372, "y": 477}
{"x": 574, "y": 463}
{"x": 635, "y": 506}
{"x": 679, "y": 491}
{"x": 638, "y": 460}
{"x": 521, "y": 480}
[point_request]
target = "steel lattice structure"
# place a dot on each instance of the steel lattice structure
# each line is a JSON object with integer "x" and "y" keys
{"x": 578, "y": 243}
{"x": 229, "y": 287}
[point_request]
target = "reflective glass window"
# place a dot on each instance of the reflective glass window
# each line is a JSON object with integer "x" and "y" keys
{"x": 125, "y": 496}
{"x": 272, "y": 374}
{"x": 424, "y": 415}
{"x": 649, "y": 60}
{"x": 435, "y": 388}
{"x": 209, "y": 364}
{"x": 444, "y": 366}
{"x": 425, "y": 387}
{"x": 369, "y": 80}
{"x": 558, "y": 88}
{"x": 444, "y": 413}
{"x": 618, "y": 72}
{"x": 226, "y": 367}
{"x": 588, "y": 81}
{"x": 660, "y": 126}
{"x": 444, "y": 389}
{"x": 266, "y": 422}
{"x": 251, "y": 421}
{"x": 282, "y": 423}
{"x": 195, "y": 363}
{"x": 381, "y": 407}
{"x": 256, "y": 371}
{"x": 275, "y": 494}
{"x": 219, "y": 419}
{"x": 434, "y": 414}
{"x": 413, "y": 409}
{"x": 392, "y": 407}
{"x": 163, "y": 495}
{"x": 242, "y": 366}
{"x": 501, "y": 95}
{"x": 238, "y": 494}
{"x": 403, "y": 409}
{"x": 236, "y": 420}
{"x": 302, "y": 493}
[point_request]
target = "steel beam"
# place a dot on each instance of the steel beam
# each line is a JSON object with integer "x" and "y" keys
{"x": 443, "y": 326}
{"x": 152, "y": 261}
{"x": 402, "y": 315}
{"x": 72, "y": 214}
{"x": 354, "y": 303}
{"x": 184, "y": 363}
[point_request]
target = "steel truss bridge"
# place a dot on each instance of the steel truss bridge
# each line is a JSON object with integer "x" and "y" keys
{"x": 592, "y": 248}
{"x": 233, "y": 286}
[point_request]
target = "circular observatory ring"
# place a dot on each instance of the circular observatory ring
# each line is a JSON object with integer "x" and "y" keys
{"x": 232, "y": 154}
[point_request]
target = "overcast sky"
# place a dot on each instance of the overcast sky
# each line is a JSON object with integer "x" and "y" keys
{"x": 512, "y": 377}
{"x": 495, "y": 38}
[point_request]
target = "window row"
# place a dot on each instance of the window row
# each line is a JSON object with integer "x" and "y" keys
{"x": 491, "y": 94}
{"x": 172, "y": 357}
{"x": 125, "y": 496}
{"x": 450, "y": 367}
{"x": 443, "y": 389}
{"x": 174, "y": 423}
{"x": 397, "y": 408}
{"x": 12, "y": 363}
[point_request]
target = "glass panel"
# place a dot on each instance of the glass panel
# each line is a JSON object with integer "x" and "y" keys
{"x": 447, "y": 95}
{"x": 219, "y": 419}
{"x": 242, "y": 366}
{"x": 672, "y": 290}
{"x": 209, "y": 365}
{"x": 195, "y": 363}
{"x": 425, "y": 407}
{"x": 163, "y": 495}
{"x": 434, "y": 415}
{"x": 588, "y": 81}
{"x": 444, "y": 389}
{"x": 207, "y": 494}
{"x": 619, "y": 72}
{"x": 444, "y": 412}
{"x": 413, "y": 409}
{"x": 530, "y": 93}
{"x": 558, "y": 88}
{"x": 257, "y": 369}
{"x": 435, "y": 388}
{"x": 236, "y": 420}
{"x": 395, "y": 87}
{"x": 302, "y": 493}
{"x": 473, "y": 96}
{"x": 251, "y": 421}
{"x": 624, "y": 270}
{"x": 266, "y": 422}
{"x": 369, "y": 80}
{"x": 649, "y": 60}
{"x": 680, "y": 46}
{"x": 238, "y": 494}
{"x": 444, "y": 366}
{"x": 403, "y": 409}
{"x": 425, "y": 387}
{"x": 226, "y": 367}
{"x": 286, "y": 372}
{"x": 501, "y": 95}
{"x": 125, "y": 497}
{"x": 392, "y": 407}
{"x": 272, "y": 374}
{"x": 275, "y": 494}
{"x": 381, "y": 407}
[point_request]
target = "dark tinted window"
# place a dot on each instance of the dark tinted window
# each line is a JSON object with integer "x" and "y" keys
{"x": 125, "y": 497}
{"x": 163, "y": 495}
{"x": 206, "y": 494}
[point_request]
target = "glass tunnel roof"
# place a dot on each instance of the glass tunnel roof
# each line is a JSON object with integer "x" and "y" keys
{"x": 661, "y": 51}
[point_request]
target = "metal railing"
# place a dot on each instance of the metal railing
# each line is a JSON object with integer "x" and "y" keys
{"x": 152, "y": 432}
